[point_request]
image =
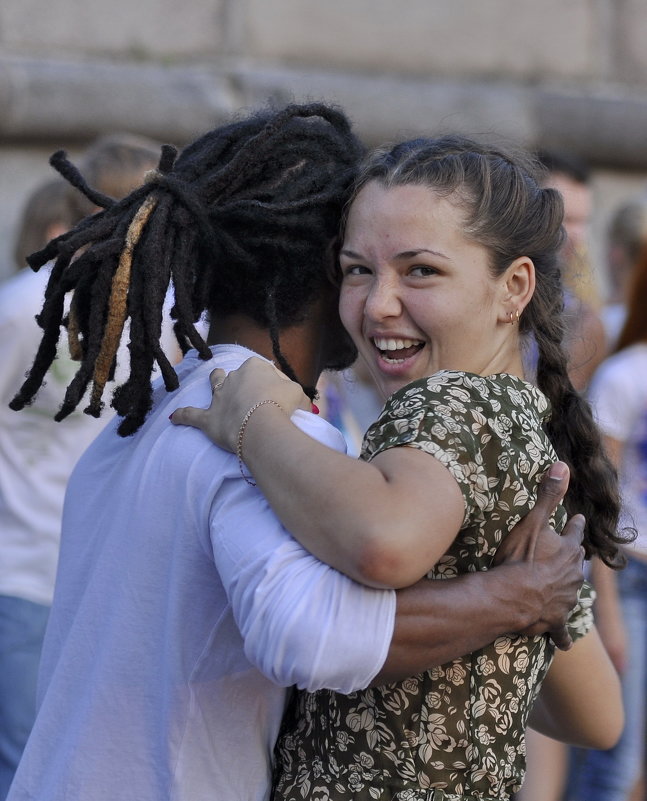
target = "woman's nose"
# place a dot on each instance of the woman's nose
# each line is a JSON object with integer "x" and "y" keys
{"x": 383, "y": 300}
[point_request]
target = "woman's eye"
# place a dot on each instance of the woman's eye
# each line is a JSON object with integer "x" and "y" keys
{"x": 422, "y": 271}
{"x": 355, "y": 269}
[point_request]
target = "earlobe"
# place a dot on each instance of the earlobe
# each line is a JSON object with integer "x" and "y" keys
{"x": 518, "y": 288}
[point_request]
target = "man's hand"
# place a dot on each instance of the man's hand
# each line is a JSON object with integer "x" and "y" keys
{"x": 554, "y": 563}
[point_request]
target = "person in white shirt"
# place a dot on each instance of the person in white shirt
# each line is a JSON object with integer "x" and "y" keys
{"x": 182, "y": 608}
{"x": 36, "y": 454}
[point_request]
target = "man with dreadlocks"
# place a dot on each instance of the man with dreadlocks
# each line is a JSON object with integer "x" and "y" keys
{"x": 182, "y": 608}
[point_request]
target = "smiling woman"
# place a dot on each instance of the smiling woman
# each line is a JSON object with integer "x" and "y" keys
{"x": 448, "y": 261}
{"x": 418, "y": 296}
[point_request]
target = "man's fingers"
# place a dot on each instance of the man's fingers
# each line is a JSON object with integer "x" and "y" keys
{"x": 561, "y": 638}
{"x": 551, "y": 490}
{"x": 574, "y": 529}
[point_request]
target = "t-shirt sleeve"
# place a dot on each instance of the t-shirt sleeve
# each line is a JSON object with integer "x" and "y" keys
{"x": 447, "y": 417}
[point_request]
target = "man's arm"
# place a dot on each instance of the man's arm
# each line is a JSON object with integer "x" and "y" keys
{"x": 531, "y": 590}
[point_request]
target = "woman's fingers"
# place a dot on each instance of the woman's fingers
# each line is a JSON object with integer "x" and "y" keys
{"x": 189, "y": 416}
{"x": 217, "y": 378}
{"x": 233, "y": 394}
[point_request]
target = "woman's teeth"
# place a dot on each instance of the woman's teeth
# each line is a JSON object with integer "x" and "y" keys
{"x": 397, "y": 350}
{"x": 394, "y": 344}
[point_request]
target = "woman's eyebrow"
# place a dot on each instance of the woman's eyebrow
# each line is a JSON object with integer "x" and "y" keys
{"x": 408, "y": 254}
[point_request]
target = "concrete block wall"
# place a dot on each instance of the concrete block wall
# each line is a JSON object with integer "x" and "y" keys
{"x": 517, "y": 39}
{"x": 559, "y": 73}
{"x": 461, "y": 38}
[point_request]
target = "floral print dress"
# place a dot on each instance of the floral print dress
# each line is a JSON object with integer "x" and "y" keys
{"x": 455, "y": 732}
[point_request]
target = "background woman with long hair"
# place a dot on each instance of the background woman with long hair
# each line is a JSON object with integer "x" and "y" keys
{"x": 618, "y": 394}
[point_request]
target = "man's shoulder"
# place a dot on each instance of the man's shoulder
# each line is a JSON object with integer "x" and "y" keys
{"x": 320, "y": 429}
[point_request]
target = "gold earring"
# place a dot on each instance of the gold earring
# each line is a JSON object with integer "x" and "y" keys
{"x": 514, "y": 317}
{"x": 518, "y": 316}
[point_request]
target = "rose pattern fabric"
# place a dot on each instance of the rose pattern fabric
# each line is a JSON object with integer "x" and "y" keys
{"x": 455, "y": 732}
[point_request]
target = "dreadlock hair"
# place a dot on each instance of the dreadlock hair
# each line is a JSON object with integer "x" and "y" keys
{"x": 508, "y": 212}
{"x": 114, "y": 165}
{"x": 241, "y": 221}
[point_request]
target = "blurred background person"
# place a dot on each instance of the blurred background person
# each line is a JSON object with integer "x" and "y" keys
{"x": 626, "y": 241}
{"x": 626, "y": 248}
{"x": 37, "y": 454}
{"x": 618, "y": 394}
{"x": 46, "y": 214}
{"x": 585, "y": 337}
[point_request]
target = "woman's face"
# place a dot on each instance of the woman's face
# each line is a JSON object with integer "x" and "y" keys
{"x": 417, "y": 296}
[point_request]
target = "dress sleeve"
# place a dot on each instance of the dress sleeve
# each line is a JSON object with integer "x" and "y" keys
{"x": 580, "y": 621}
{"x": 449, "y": 417}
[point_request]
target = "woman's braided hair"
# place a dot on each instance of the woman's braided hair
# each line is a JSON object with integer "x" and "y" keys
{"x": 240, "y": 221}
{"x": 509, "y": 213}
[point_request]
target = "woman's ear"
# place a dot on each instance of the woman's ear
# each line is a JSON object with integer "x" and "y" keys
{"x": 518, "y": 286}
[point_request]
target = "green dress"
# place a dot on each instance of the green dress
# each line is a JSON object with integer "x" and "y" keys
{"x": 455, "y": 731}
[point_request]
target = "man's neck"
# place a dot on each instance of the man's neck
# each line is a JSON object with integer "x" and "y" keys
{"x": 299, "y": 344}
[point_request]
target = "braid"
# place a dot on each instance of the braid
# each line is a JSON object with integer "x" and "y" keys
{"x": 73, "y": 335}
{"x": 240, "y": 221}
{"x": 577, "y": 441}
{"x": 593, "y": 488}
{"x": 117, "y": 305}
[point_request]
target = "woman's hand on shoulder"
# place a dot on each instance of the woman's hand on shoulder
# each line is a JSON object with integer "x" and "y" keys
{"x": 235, "y": 394}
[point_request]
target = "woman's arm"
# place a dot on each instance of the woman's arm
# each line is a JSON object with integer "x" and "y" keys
{"x": 384, "y": 523}
{"x": 580, "y": 700}
{"x": 608, "y": 613}
{"x": 607, "y": 609}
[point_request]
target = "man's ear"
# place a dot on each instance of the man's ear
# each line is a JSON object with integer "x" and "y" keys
{"x": 518, "y": 286}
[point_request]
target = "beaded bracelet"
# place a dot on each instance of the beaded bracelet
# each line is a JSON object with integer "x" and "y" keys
{"x": 241, "y": 434}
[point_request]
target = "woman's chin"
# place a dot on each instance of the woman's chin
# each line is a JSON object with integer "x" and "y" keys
{"x": 391, "y": 374}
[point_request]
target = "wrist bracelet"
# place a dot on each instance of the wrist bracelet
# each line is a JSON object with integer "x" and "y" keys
{"x": 241, "y": 435}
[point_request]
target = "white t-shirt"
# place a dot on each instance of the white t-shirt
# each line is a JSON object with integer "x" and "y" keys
{"x": 182, "y": 608}
{"x": 618, "y": 394}
{"x": 38, "y": 454}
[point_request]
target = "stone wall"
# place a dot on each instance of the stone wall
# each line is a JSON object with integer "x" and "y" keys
{"x": 559, "y": 73}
